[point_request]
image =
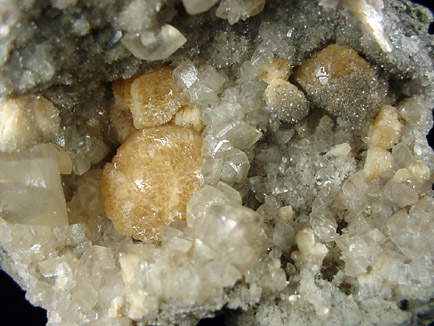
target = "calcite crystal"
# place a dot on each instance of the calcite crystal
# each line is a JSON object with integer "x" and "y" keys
{"x": 263, "y": 161}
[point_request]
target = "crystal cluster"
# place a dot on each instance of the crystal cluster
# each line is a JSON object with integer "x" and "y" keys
{"x": 150, "y": 180}
{"x": 280, "y": 175}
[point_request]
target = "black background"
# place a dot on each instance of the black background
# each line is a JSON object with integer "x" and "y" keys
{"x": 15, "y": 310}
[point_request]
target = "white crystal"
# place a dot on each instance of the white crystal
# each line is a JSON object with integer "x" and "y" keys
{"x": 202, "y": 201}
{"x": 234, "y": 10}
{"x": 240, "y": 134}
{"x": 401, "y": 194}
{"x": 194, "y": 7}
{"x": 411, "y": 232}
{"x": 235, "y": 167}
{"x": 185, "y": 74}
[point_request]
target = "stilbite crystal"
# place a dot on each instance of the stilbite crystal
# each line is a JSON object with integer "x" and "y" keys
{"x": 26, "y": 121}
{"x": 151, "y": 179}
{"x": 343, "y": 83}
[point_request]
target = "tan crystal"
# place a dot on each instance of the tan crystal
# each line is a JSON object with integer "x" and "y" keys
{"x": 415, "y": 171}
{"x": 147, "y": 100}
{"x": 121, "y": 118}
{"x": 310, "y": 251}
{"x": 189, "y": 117}
{"x": 25, "y": 121}
{"x": 151, "y": 179}
{"x": 419, "y": 171}
{"x": 277, "y": 69}
{"x": 154, "y": 98}
{"x": 330, "y": 80}
{"x": 331, "y": 63}
{"x": 378, "y": 163}
{"x": 386, "y": 129}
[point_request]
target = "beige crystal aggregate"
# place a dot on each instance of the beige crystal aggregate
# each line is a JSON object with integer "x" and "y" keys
{"x": 385, "y": 131}
{"x": 329, "y": 65}
{"x": 276, "y": 69}
{"x": 154, "y": 98}
{"x": 151, "y": 179}
{"x": 147, "y": 100}
{"x": 25, "y": 121}
{"x": 284, "y": 99}
{"x": 378, "y": 163}
{"x": 189, "y": 117}
{"x": 339, "y": 80}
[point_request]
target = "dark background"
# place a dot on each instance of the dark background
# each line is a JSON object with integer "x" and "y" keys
{"x": 15, "y": 310}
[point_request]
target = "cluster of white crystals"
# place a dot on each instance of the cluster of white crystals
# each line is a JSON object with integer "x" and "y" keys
{"x": 306, "y": 217}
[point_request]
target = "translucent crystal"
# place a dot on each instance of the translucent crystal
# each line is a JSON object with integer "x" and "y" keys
{"x": 223, "y": 225}
{"x": 240, "y": 134}
{"x": 211, "y": 169}
{"x": 202, "y": 94}
{"x": 401, "y": 194}
{"x": 194, "y": 7}
{"x": 231, "y": 194}
{"x": 209, "y": 76}
{"x": 202, "y": 201}
{"x": 150, "y": 46}
{"x": 402, "y": 156}
{"x": 33, "y": 176}
{"x": 234, "y": 10}
{"x": 410, "y": 232}
{"x": 410, "y": 109}
{"x": 235, "y": 167}
{"x": 185, "y": 74}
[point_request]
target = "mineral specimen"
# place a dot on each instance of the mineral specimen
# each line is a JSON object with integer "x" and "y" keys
{"x": 151, "y": 179}
{"x": 270, "y": 167}
{"x": 340, "y": 81}
{"x": 27, "y": 121}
